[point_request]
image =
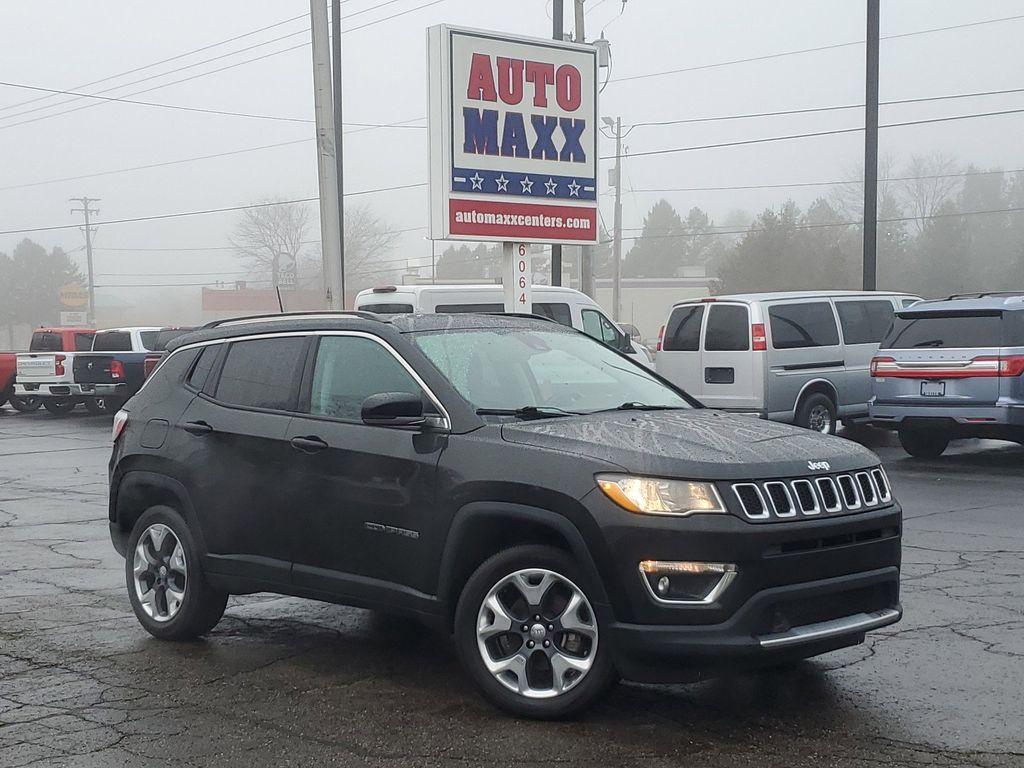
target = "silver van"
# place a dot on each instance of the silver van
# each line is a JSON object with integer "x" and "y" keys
{"x": 802, "y": 358}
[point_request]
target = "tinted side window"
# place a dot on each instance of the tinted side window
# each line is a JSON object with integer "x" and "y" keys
{"x": 945, "y": 330}
{"x": 83, "y": 342}
{"x": 454, "y": 308}
{"x": 387, "y": 309}
{"x": 263, "y": 373}
{"x": 728, "y": 329}
{"x": 348, "y": 370}
{"x": 197, "y": 379}
{"x": 148, "y": 339}
{"x": 682, "y": 333}
{"x": 112, "y": 341}
{"x": 560, "y": 313}
{"x": 864, "y": 322}
{"x": 44, "y": 341}
{"x": 795, "y": 326}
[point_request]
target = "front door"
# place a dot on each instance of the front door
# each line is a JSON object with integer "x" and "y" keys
{"x": 363, "y": 519}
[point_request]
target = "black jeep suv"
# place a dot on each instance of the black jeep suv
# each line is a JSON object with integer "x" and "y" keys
{"x": 570, "y": 516}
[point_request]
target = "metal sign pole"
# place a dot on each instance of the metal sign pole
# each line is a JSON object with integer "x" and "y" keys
{"x": 517, "y": 278}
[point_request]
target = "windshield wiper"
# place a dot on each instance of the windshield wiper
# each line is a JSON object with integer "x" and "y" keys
{"x": 528, "y": 412}
{"x": 632, "y": 405}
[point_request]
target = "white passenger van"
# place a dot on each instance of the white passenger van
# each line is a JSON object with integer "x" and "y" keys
{"x": 802, "y": 358}
{"x": 563, "y": 305}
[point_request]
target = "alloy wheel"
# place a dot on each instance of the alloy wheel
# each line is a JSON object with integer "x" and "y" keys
{"x": 161, "y": 572}
{"x": 820, "y": 420}
{"x": 537, "y": 633}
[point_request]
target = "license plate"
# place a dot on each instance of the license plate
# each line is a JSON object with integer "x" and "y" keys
{"x": 933, "y": 389}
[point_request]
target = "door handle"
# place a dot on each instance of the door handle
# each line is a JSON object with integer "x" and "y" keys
{"x": 198, "y": 428}
{"x": 309, "y": 444}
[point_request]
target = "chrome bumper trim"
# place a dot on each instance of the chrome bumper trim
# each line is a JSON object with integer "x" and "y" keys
{"x": 858, "y": 622}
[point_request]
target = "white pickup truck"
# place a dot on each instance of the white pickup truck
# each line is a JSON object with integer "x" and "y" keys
{"x": 50, "y": 375}
{"x": 43, "y": 374}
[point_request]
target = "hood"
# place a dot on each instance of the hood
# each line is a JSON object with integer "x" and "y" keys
{"x": 697, "y": 444}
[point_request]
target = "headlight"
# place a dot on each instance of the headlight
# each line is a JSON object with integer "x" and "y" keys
{"x": 654, "y": 496}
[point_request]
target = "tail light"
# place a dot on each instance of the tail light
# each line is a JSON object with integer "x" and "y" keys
{"x": 760, "y": 341}
{"x": 149, "y": 364}
{"x": 1009, "y": 365}
{"x": 58, "y": 364}
{"x": 661, "y": 338}
{"x": 120, "y": 422}
{"x": 116, "y": 370}
{"x": 883, "y": 362}
{"x": 985, "y": 366}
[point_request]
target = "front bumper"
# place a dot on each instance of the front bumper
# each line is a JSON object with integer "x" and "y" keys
{"x": 70, "y": 390}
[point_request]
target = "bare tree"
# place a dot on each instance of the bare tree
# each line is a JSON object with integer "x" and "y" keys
{"x": 848, "y": 198}
{"x": 929, "y": 184}
{"x": 368, "y": 238}
{"x": 272, "y": 238}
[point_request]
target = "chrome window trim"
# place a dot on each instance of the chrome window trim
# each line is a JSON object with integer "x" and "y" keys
{"x": 835, "y": 489}
{"x": 789, "y": 497}
{"x": 856, "y": 492}
{"x": 871, "y": 484}
{"x": 711, "y": 597}
{"x": 764, "y": 505}
{"x": 445, "y": 416}
{"x": 814, "y": 495}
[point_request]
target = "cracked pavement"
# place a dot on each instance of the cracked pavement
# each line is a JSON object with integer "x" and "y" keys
{"x": 283, "y": 681}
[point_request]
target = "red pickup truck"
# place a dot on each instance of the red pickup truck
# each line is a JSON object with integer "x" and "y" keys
{"x": 44, "y": 350}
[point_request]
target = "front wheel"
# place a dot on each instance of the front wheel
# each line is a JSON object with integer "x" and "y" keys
{"x": 817, "y": 412}
{"x": 167, "y": 589}
{"x": 528, "y": 635}
{"x": 59, "y": 406}
{"x": 26, "y": 404}
{"x": 922, "y": 444}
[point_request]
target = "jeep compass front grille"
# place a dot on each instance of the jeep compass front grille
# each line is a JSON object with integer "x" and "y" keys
{"x": 802, "y": 497}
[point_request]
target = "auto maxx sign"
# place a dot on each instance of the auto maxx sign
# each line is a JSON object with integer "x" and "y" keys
{"x": 513, "y": 138}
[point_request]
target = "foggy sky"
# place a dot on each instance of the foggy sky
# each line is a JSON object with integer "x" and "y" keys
{"x": 64, "y": 44}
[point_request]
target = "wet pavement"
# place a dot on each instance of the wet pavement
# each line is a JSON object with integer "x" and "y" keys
{"x": 283, "y": 681}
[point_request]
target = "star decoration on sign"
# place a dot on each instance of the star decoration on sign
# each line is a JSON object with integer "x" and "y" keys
{"x": 551, "y": 185}
{"x": 527, "y": 183}
{"x": 574, "y": 189}
{"x": 502, "y": 183}
{"x": 478, "y": 181}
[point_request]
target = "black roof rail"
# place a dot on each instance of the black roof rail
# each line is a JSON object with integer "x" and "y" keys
{"x": 530, "y": 315}
{"x": 305, "y": 313}
{"x": 984, "y": 294}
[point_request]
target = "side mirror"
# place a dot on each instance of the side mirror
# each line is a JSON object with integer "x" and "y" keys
{"x": 393, "y": 409}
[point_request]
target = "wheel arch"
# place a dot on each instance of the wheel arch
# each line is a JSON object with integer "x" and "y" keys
{"x": 816, "y": 386}
{"x": 137, "y": 490}
{"x": 481, "y": 529}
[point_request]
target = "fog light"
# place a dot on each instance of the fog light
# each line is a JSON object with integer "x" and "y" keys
{"x": 686, "y": 581}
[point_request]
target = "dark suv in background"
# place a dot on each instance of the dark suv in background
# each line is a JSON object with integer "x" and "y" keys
{"x": 567, "y": 514}
{"x": 952, "y": 369}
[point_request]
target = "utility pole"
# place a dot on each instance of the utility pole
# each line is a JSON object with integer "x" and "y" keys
{"x": 330, "y": 205}
{"x": 617, "y": 245}
{"x": 557, "y": 33}
{"x": 339, "y": 143}
{"x": 871, "y": 149}
{"x": 87, "y": 211}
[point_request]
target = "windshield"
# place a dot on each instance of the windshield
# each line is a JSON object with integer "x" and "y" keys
{"x": 515, "y": 369}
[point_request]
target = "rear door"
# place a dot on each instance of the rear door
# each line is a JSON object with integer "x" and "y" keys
{"x": 727, "y": 362}
{"x": 679, "y": 359}
{"x": 940, "y": 358}
{"x": 864, "y": 322}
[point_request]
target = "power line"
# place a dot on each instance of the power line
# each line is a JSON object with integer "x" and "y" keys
{"x": 812, "y": 134}
{"x": 815, "y": 49}
{"x": 834, "y": 182}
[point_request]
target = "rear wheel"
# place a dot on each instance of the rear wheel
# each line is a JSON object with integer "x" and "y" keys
{"x": 25, "y": 404}
{"x": 59, "y": 405}
{"x": 5, "y": 395}
{"x": 166, "y": 586}
{"x": 103, "y": 405}
{"x": 817, "y": 412}
{"x": 923, "y": 444}
{"x": 528, "y": 636}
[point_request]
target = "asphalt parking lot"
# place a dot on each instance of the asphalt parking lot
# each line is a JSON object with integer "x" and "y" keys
{"x": 283, "y": 681}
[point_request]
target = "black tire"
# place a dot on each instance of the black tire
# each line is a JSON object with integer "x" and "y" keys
{"x": 583, "y": 693}
{"x": 26, "y": 404}
{"x": 106, "y": 406}
{"x": 817, "y": 412}
{"x": 201, "y": 607}
{"x": 59, "y": 406}
{"x": 923, "y": 444}
{"x": 6, "y": 394}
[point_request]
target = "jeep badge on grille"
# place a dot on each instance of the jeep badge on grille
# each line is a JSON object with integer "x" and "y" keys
{"x": 818, "y": 466}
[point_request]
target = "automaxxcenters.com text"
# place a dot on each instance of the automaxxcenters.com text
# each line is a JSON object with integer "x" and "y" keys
{"x": 521, "y": 220}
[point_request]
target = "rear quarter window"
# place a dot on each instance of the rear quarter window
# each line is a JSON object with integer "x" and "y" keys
{"x": 864, "y": 322}
{"x": 799, "y": 326}
{"x": 946, "y": 330}
{"x": 682, "y": 332}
